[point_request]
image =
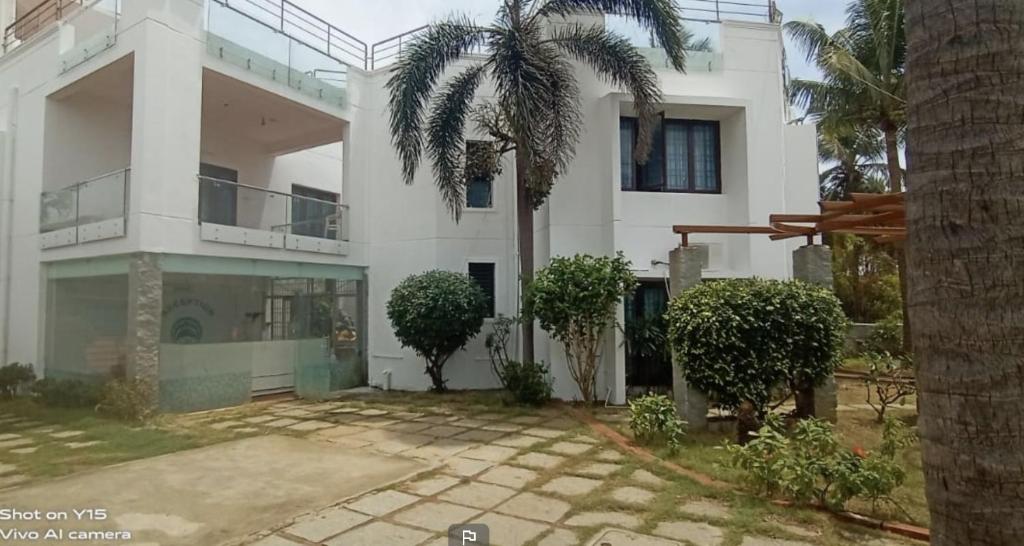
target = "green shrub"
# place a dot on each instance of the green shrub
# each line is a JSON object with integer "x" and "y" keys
{"x": 126, "y": 399}
{"x": 574, "y": 299}
{"x": 66, "y": 393}
{"x": 809, "y": 465}
{"x": 653, "y": 419}
{"x": 887, "y": 336}
{"x": 436, "y": 313}
{"x": 866, "y": 278}
{"x": 527, "y": 383}
{"x": 739, "y": 339}
{"x": 14, "y": 377}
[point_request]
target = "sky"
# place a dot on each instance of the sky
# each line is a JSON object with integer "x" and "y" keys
{"x": 375, "y": 20}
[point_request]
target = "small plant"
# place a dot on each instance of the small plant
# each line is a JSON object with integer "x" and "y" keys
{"x": 527, "y": 383}
{"x": 887, "y": 336}
{"x": 66, "y": 393}
{"x": 574, "y": 299}
{"x": 14, "y": 378}
{"x": 436, "y": 313}
{"x": 808, "y": 465}
{"x": 890, "y": 380}
{"x": 653, "y": 419}
{"x": 126, "y": 399}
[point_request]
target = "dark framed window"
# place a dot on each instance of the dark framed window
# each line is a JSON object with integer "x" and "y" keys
{"x": 686, "y": 156}
{"x": 483, "y": 274}
{"x": 479, "y": 189}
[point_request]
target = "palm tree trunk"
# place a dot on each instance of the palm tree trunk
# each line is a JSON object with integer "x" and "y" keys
{"x": 524, "y": 221}
{"x": 892, "y": 157}
{"x": 964, "y": 250}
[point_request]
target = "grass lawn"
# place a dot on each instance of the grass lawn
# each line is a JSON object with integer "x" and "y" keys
{"x": 117, "y": 441}
{"x": 701, "y": 451}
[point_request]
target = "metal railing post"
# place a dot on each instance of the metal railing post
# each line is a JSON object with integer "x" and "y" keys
{"x": 718, "y": 12}
{"x": 78, "y": 213}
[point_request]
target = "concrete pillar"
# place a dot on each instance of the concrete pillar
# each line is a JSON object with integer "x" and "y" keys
{"x": 813, "y": 264}
{"x": 145, "y": 306}
{"x": 685, "y": 272}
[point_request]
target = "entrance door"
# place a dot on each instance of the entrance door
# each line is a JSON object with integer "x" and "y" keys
{"x": 218, "y": 196}
{"x": 648, "y": 357}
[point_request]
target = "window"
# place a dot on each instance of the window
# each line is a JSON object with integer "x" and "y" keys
{"x": 479, "y": 189}
{"x": 483, "y": 274}
{"x": 314, "y": 212}
{"x": 685, "y": 157}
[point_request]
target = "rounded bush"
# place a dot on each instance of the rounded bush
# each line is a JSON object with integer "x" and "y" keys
{"x": 738, "y": 339}
{"x": 436, "y": 313}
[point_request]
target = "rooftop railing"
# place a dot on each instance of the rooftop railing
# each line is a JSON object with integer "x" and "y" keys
{"x": 390, "y": 50}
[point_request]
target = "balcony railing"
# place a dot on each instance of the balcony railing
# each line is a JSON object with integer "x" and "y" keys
{"x": 242, "y": 214}
{"x": 90, "y": 210}
{"x": 284, "y": 43}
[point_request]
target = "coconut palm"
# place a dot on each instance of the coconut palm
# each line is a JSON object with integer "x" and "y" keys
{"x": 964, "y": 248}
{"x": 856, "y": 159}
{"x": 862, "y": 67}
{"x": 527, "y": 54}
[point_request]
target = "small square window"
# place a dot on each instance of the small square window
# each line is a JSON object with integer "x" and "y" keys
{"x": 483, "y": 274}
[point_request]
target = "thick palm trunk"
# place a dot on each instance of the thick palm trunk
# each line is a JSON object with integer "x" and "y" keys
{"x": 524, "y": 221}
{"x": 966, "y": 262}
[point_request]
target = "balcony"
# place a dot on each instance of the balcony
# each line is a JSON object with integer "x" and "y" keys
{"x": 239, "y": 214}
{"x": 284, "y": 43}
{"x": 90, "y": 210}
{"x": 87, "y": 27}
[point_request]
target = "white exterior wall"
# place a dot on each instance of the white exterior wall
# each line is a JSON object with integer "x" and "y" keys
{"x": 397, "y": 229}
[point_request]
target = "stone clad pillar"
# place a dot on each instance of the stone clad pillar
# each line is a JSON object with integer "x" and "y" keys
{"x": 685, "y": 272}
{"x": 813, "y": 264}
{"x": 145, "y": 307}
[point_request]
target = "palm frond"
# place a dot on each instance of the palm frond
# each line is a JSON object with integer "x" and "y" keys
{"x": 617, "y": 62}
{"x": 661, "y": 18}
{"x": 809, "y": 36}
{"x": 445, "y": 140}
{"x": 413, "y": 79}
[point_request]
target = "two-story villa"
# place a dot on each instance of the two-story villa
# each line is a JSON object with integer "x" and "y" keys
{"x": 205, "y": 192}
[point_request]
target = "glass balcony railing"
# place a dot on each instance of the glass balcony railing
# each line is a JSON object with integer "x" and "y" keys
{"x": 228, "y": 203}
{"x": 281, "y": 42}
{"x": 81, "y": 210}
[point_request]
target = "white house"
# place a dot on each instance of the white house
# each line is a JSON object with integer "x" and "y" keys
{"x": 206, "y": 191}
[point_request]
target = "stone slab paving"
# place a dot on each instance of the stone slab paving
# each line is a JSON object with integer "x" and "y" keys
{"x": 509, "y": 476}
{"x": 618, "y": 537}
{"x": 16, "y": 442}
{"x": 600, "y": 470}
{"x": 699, "y": 534}
{"x": 521, "y": 441}
{"x": 535, "y": 507}
{"x": 9, "y": 436}
{"x": 569, "y": 448}
{"x": 434, "y": 515}
{"x": 64, "y": 434}
{"x": 540, "y": 432}
{"x": 798, "y": 530}
{"x": 382, "y": 502}
{"x": 466, "y": 467}
{"x": 644, "y": 477}
{"x": 429, "y": 487}
{"x": 25, "y": 450}
{"x": 510, "y": 531}
{"x": 307, "y": 426}
{"x": 571, "y": 486}
{"x": 591, "y": 519}
{"x": 380, "y": 533}
{"x": 7, "y": 468}
{"x": 478, "y": 495}
{"x": 610, "y": 455}
{"x": 80, "y": 445}
{"x": 492, "y": 453}
{"x": 274, "y": 540}
{"x": 539, "y": 460}
{"x": 282, "y": 422}
{"x": 633, "y": 496}
{"x": 327, "y": 524}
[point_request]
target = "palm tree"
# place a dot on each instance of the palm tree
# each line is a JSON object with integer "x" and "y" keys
{"x": 527, "y": 54}
{"x": 856, "y": 159}
{"x": 862, "y": 67}
{"x": 964, "y": 248}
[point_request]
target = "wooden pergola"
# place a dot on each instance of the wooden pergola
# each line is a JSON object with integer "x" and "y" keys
{"x": 880, "y": 216}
